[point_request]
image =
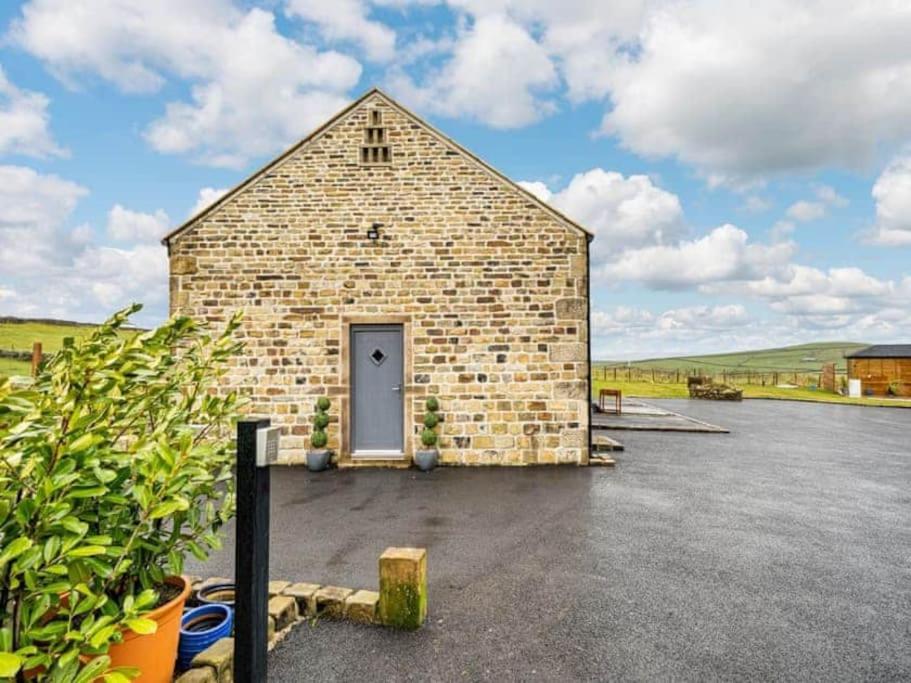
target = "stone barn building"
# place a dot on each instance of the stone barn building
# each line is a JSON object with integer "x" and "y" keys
{"x": 378, "y": 263}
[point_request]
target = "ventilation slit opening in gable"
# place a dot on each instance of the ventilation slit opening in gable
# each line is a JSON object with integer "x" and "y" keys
{"x": 376, "y": 149}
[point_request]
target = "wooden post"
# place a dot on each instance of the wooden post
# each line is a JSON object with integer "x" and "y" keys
{"x": 251, "y": 558}
{"x": 36, "y": 358}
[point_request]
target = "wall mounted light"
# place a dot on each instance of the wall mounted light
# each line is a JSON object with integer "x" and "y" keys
{"x": 373, "y": 232}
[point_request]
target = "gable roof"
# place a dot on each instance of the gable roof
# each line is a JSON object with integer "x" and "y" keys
{"x": 883, "y": 351}
{"x": 237, "y": 189}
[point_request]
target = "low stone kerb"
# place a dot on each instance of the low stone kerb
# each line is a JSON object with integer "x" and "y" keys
{"x": 330, "y": 601}
{"x": 361, "y": 606}
{"x": 283, "y": 609}
{"x": 305, "y": 595}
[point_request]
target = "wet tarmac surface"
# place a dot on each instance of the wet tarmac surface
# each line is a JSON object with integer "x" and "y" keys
{"x": 649, "y": 416}
{"x": 779, "y": 551}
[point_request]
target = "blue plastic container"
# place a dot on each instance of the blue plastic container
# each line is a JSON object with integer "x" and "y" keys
{"x": 200, "y": 627}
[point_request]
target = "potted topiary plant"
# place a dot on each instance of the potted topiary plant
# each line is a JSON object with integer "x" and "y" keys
{"x": 114, "y": 464}
{"x": 428, "y": 457}
{"x": 319, "y": 455}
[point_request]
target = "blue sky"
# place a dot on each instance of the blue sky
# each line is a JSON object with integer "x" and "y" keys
{"x": 746, "y": 169}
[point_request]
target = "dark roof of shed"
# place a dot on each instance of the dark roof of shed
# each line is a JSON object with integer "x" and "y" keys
{"x": 883, "y": 351}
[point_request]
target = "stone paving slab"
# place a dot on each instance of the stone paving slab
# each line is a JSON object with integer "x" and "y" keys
{"x": 642, "y": 416}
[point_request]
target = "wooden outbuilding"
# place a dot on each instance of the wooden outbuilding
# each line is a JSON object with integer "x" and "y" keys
{"x": 883, "y": 369}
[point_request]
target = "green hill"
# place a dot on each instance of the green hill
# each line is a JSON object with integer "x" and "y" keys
{"x": 18, "y": 334}
{"x": 801, "y": 358}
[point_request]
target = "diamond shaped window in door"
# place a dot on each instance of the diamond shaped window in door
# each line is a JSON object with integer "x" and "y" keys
{"x": 377, "y": 356}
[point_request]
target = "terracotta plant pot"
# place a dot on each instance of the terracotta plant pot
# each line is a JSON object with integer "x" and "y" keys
{"x": 155, "y": 654}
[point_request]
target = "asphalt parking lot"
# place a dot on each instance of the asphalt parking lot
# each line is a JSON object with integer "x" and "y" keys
{"x": 779, "y": 551}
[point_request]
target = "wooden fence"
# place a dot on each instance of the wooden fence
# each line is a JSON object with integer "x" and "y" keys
{"x": 623, "y": 373}
{"x": 34, "y": 357}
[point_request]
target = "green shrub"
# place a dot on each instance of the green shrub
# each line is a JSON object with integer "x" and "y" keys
{"x": 431, "y": 420}
{"x": 116, "y": 462}
{"x": 428, "y": 437}
{"x": 432, "y": 404}
{"x": 318, "y": 439}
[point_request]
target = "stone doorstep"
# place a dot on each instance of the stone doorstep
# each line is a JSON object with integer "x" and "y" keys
{"x": 601, "y": 461}
{"x": 601, "y": 443}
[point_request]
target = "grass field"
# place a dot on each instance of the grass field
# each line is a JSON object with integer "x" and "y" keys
{"x": 20, "y": 335}
{"x": 10, "y": 367}
{"x": 666, "y": 390}
{"x": 802, "y": 358}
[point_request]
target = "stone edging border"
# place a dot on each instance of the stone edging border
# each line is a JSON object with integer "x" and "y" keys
{"x": 400, "y": 603}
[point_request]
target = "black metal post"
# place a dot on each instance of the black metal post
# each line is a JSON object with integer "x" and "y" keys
{"x": 251, "y": 560}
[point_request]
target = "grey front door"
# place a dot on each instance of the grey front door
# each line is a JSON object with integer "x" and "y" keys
{"x": 377, "y": 369}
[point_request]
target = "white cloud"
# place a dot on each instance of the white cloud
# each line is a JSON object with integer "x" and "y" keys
{"x": 133, "y": 226}
{"x": 744, "y": 89}
{"x": 119, "y": 276}
{"x": 496, "y": 75}
{"x": 580, "y": 36}
{"x": 629, "y": 331}
{"x": 755, "y": 203}
{"x": 24, "y": 122}
{"x": 740, "y": 90}
{"x": 252, "y": 91}
{"x": 33, "y": 208}
{"x": 806, "y": 211}
{"x": 799, "y": 280}
{"x": 892, "y": 193}
{"x": 346, "y": 20}
{"x": 781, "y": 231}
{"x": 844, "y": 301}
{"x": 623, "y": 212}
{"x": 537, "y": 188}
{"x": 689, "y": 319}
{"x": 207, "y": 197}
{"x": 723, "y": 255}
{"x": 829, "y": 196}
{"x": 50, "y": 270}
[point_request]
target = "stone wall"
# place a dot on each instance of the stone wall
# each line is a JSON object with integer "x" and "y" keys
{"x": 490, "y": 287}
